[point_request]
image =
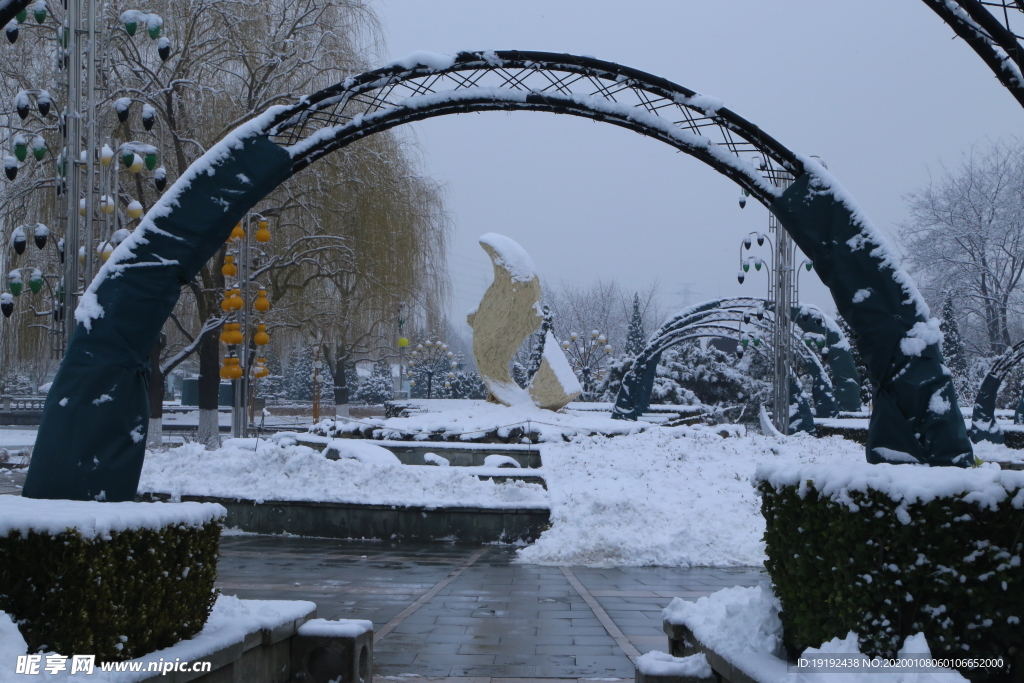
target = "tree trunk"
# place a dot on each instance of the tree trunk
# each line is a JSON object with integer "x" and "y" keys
{"x": 157, "y": 386}
{"x": 209, "y": 390}
{"x": 341, "y": 389}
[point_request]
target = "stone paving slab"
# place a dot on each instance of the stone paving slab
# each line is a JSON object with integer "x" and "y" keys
{"x": 494, "y": 622}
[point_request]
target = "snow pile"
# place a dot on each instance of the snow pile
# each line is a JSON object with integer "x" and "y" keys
{"x": 367, "y": 453}
{"x": 98, "y": 520}
{"x": 12, "y": 643}
{"x": 742, "y": 626}
{"x": 510, "y": 256}
{"x": 677, "y": 496}
{"x": 340, "y": 628}
{"x": 495, "y": 460}
{"x": 290, "y": 472}
{"x": 656, "y": 663}
{"x": 435, "y": 459}
{"x": 466, "y": 420}
{"x": 986, "y": 487}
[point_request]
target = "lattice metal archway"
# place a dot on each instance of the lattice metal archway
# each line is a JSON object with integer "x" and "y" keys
{"x": 93, "y": 443}
{"x": 726, "y": 318}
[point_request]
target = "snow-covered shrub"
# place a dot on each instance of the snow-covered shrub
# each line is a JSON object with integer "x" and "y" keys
{"x": 378, "y": 387}
{"x": 118, "y": 580}
{"x": 887, "y": 551}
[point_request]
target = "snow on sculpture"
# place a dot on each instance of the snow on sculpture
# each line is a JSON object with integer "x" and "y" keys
{"x": 508, "y": 313}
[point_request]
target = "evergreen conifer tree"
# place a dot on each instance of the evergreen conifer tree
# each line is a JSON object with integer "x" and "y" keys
{"x": 635, "y": 336}
{"x": 378, "y": 387}
{"x": 954, "y": 352}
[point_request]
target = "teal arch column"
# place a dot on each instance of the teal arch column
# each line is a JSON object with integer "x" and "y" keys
{"x": 916, "y": 417}
{"x": 91, "y": 441}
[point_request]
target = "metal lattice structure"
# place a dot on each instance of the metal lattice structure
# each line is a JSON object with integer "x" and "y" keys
{"x": 993, "y": 29}
{"x": 719, "y": 318}
{"x": 536, "y": 81}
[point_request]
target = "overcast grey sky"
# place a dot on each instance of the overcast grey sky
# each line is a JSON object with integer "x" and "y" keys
{"x": 877, "y": 88}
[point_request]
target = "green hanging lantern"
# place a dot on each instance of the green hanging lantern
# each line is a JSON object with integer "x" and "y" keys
{"x": 21, "y": 16}
{"x": 744, "y": 342}
{"x": 808, "y": 265}
{"x": 757, "y": 341}
{"x": 757, "y": 264}
{"x": 154, "y": 25}
{"x": 131, "y": 26}
{"x": 38, "y": 147}
{"x": 39, "y": 11}
{"x": 14, "y": 283}
{"x": 20, "y": 147}
{"x": 127, "y": 157}
{"x": 150, "y": 161}
{"x": 746, "y": 266}
{"x": 35, "y": 281}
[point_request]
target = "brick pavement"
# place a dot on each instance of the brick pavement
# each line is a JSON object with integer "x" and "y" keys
{"x": 494, "y": 622}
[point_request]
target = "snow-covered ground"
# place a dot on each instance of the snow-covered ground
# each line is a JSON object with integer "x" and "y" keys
{"x": 465, "y": 420}
{"x": 272, "y": 472}
{"x": 667, "y": 496}
{"x": 677, "y": 496}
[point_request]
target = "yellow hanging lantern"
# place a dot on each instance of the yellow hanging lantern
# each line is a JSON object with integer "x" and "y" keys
{"x": 229, "y": 269}
{"x": 235, "y": 335}
{"x": 403, "y": 342}
{"x": 224, "y": 333}
{"x": 225, "y": 304}
{"x": 134, "y": 209}
{"x": 106, "y": 154}
{"x": 261, "y": 337}
{"x": 261, "y": 368}
{"x": 237, "y": 233}
{"x": 235, "y": 370}
{"x": 81, "y": 207}
{"x": 235, "y": 300}
{"x": 262, "y": 232}
{"x": 104, "y": 251}
{"x": 107, "y": 205}
{"x": 224, "y": 369}
{"x": 138, "y": 163}
{"x": 262, "y": 303}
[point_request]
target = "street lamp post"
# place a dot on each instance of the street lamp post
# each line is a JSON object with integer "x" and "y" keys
{"x": 783, "y": 294}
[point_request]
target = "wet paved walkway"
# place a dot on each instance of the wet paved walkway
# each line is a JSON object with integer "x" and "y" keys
{"x": 469, "y": 612}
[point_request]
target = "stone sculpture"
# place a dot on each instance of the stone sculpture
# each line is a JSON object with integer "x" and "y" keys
{"x": 508, "y": 313}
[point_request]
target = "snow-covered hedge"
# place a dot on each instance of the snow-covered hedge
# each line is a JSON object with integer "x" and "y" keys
{"x": 118, "y": 580}
{"x": 887, "y": 551}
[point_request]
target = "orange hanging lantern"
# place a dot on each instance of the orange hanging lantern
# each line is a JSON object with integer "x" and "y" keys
{"x": 224, "y": 334}
{"x": 237, "y": 233}
{"x": 235, "y": 370}
{"x": 262, "y": 232}
{"x": 225, "y": 304}
{"x": 261, "y": 337}
{"x": 235, "y": 300}
{"x": 262, "y": 303}
{"x": 229, "y": 269}
{"x": 261, "y": 368}
{"x": 224, "y": 369}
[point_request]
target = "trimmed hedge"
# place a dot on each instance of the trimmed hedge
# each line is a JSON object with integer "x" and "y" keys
{"x": 884, "y": 569}
{"x": 122, "y": 597}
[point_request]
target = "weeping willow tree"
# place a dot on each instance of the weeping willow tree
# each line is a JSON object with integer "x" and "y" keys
{"x": 352, "y": 235}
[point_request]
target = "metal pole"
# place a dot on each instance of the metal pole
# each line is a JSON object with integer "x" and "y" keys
{"x": 239, "y": 410}
{"x": 782, "y": 328}
{"x": 73, "y": 130}
{"x": 91, "y": 189}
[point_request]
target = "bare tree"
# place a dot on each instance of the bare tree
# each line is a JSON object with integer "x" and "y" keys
{"x": 966, "y": 235}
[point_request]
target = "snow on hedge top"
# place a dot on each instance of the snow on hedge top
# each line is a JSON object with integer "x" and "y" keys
{"x": 98, "y": 520}
{"x": 510, "y": 256}
{"x": 986, "y": 487}
{"x": 89, "y": 308}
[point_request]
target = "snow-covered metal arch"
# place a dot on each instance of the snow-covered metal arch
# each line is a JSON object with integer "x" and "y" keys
{"x": 726, "y": 318}
{"x": 93, "y": 443}
{"x": 983, "y": 417}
